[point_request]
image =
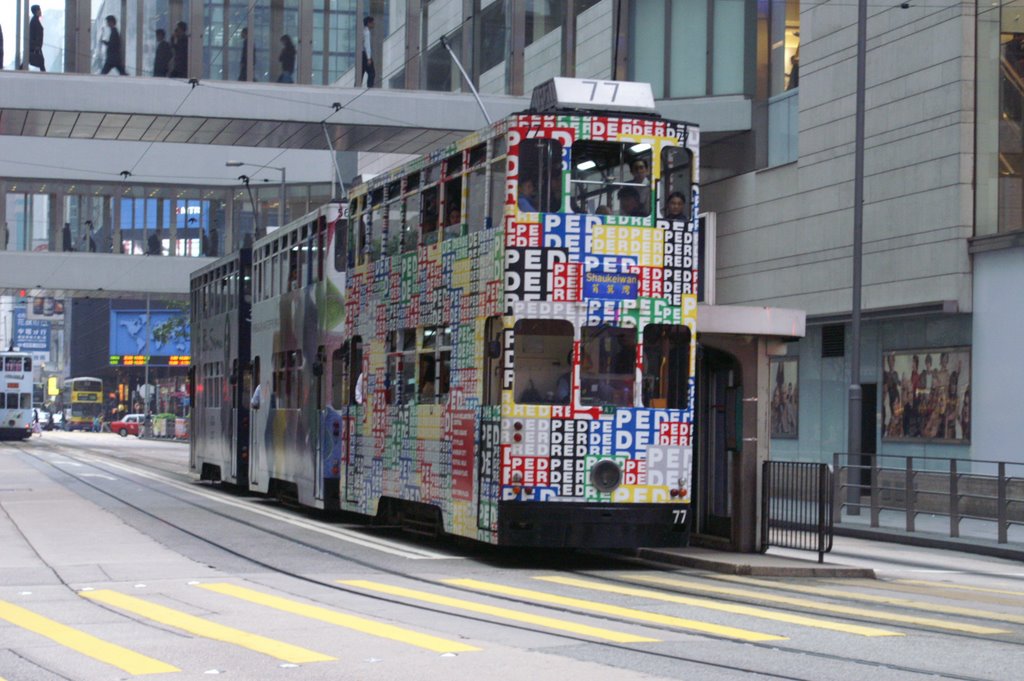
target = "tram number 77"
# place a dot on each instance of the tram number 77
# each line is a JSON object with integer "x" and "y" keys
{"x": 595, "y": 83}
{"x": 679, "y": 517}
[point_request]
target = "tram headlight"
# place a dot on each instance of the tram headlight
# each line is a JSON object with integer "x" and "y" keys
{"x": 606, "y": 475}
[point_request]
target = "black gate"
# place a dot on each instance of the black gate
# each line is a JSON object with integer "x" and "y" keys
{"x": 796, "y": 506}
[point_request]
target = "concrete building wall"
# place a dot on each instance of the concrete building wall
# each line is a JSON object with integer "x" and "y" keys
{"x": 593, "y": 43}
{"x": 998, "y": 414}
{"x": 785, "y": 233}
{"x": 542, "y": 60}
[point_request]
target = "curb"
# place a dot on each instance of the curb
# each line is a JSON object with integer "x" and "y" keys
{"x": 738, "y": 567}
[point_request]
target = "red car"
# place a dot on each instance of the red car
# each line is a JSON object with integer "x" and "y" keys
{"x": 131, "y": 424}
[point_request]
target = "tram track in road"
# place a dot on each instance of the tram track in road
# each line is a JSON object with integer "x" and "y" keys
{"x": 161, "y": 487}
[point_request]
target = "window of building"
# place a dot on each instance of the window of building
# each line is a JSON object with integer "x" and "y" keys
{"x": 607, "y": 365}
{"x": 611, "y": 178}
{"x": 669, "y": 44}
{"x": 542, "y": 17}
{"x": 676, "y": 183}
{"x": 540, "y": 176}
{"x": 491, "y": 30}
{"x": 543, "y": 361}
{"x": 665, "y": 382}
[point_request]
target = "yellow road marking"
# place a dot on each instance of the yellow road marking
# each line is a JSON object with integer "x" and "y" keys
{"x": 734, "y": 608}
{"x": 815, "y": 605}
{"x": 630, "y": 613}
{"x": 87, "y": 644}
{"x": 961, "y": 587}
{"x": 341, "y": 619}
{"x": 505, "y": 613}
{"x": 882, "y": 600}
{"x": 201, "y": 627}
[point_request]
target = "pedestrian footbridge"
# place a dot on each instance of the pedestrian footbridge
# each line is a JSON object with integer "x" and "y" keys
{"x": 98, "y": 275}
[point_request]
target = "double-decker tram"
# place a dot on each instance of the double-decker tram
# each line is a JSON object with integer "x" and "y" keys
{"x": 84, "y": 396}
{"x": 15, "y": 396}
{"x": 221, "y": 299}
{"x": 500, "y": 340}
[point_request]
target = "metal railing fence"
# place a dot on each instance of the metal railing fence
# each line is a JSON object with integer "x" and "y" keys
{"x": 796, "y": 506}
{"x": 930, "y": 485}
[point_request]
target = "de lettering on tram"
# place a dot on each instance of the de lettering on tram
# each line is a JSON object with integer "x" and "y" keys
{"x": 496, "y": 341}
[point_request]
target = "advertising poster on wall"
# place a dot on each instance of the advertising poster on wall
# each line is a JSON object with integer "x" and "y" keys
{"x": 785, "y": 398}
{"x": 926, "y": 394}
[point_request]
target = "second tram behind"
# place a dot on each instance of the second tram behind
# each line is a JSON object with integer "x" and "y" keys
{"x": 16, "y": 411}
{"x": 500, "y": 340}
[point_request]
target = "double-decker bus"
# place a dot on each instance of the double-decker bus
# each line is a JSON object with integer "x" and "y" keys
{"x": 500, "y": 341}
{"x": 84, "y": 398}
{"x": 15, "y": 396}
{"x": 221, "y": 297}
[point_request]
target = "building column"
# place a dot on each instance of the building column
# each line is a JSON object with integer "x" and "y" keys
{"x": 77, "y": 33}
{"x": 413, "y": 40}
{"x": 515, "y": 57}
{"x": 304, "y": 62}
{"x": 57, "y": 219}
{"x": 195, "y": 40}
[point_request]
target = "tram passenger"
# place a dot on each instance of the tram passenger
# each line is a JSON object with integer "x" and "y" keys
{"x": 642, "y": 176}
{"x": 675, "y": 207}
{"x": 528, "y": 194}
{"x": 630, "y": 204}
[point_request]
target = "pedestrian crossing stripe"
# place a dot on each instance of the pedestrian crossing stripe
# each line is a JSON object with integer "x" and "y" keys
{"x": 205, "y": 628}
{"x": 882, "y": 600}
{"x": 109, "y": 653}
{"x": 503, "y": 613}
{"x": 617, "y": 611}
{"x": 354, "y": 622}
{"x": 734, "y": 608}
{"x": 815, "y": 605}
{"x": 960, "y": 587}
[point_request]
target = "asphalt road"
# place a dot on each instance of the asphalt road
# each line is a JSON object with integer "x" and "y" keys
{"x": 114, "y": 563}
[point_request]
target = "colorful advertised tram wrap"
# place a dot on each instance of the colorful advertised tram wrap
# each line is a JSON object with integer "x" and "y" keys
{"x": 15, "y": 396}
{"x": 221, "y": 296}
{"x": 500, "y": 339}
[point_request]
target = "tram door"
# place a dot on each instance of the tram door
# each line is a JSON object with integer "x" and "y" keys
{"x": 257, "y": 421}
{"x": 488, "y": 450}
{"x": 717, "y": 443}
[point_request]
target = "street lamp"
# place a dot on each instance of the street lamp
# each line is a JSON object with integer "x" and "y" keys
{"x": 280, "y": 205}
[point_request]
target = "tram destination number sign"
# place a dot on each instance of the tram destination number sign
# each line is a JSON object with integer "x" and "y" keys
{"x": 576, "y": 93}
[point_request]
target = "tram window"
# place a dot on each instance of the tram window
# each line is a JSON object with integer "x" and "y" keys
{"x": 676, "y": 180}
{"x": 394, "y": 190}
{"x": 429, "y": 216}
{"x": 410, "y": 227}
{"x": 497, "y": 195}
{"x": 294, "y": 268}
{"x": 453, "y": 208}
{"x": 376, "y": 232}
{"x": 611, "y": 178}
{"x": 26, "y": 400}
{"x": 357, "y": 382}
{"x": 12, "y": 364}
{"x": 339, "y": 361}
{"x": 408, "y": 380}
{"x": 453, "y": 165}
{"x": 477, "y": 155}
{"x": 540, "y": 176}
{"x": 607, "y": 365}
{"x": 340, "y": 245}
{"x": 494, "y": 353}
{"x": 431, "y": 174}
{"x": 434, "y": 364}
{"x": 394, "y": 227}
{"x": 477, "y": 183}
{"x": 543, "y": 361}
{"x": 665, "y": 381}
